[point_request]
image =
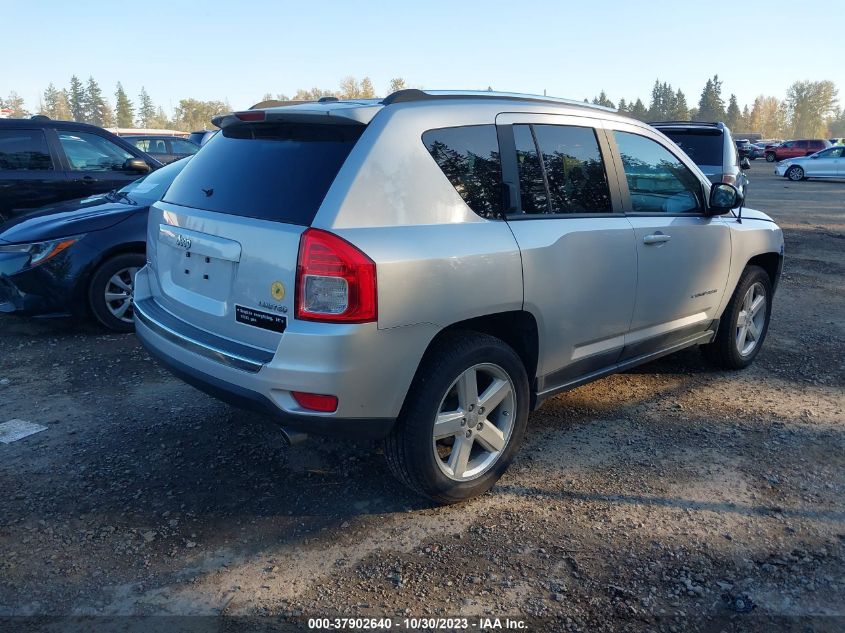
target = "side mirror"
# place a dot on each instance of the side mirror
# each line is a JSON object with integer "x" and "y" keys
{"x": 745, "y": 164}
{"x": 723, "y": 198}
{"x": 136, "y": 164}
{"x": 814, "y": 156}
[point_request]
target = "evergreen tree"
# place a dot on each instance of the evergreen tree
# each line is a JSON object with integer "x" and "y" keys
{"x": 47, "y": 106}
{"x": 746, "y": 119}
{"x": 681, "y": 110}
{"x": 623, "y": 107}
{"x": 96, "y": 109}
{"x": 655, "y": 107}
{"x": 602, "y": 100}
{"x": 123, "y": 111}
{"x": 733, "y": 116}
{"x": 146, "y": 109}
{"x": 638, "y": 110}
{"x": 76, "y": 97}
{"x": 663, "y": 102}
{"x": 711, "y": 106}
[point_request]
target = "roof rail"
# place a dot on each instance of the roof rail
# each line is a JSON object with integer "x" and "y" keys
{"x": 413, "y": 94}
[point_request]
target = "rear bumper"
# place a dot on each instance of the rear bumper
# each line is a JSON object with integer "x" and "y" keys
{"x": 243, "y": 398}
{"x": 367, "y": 369}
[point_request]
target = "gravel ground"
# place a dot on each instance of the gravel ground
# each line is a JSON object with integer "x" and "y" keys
{"x": 671, "y": 497}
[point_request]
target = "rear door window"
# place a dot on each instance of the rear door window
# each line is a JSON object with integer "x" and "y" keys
{"x": 270, "y": 171}
{"x": 704, "y": 147}
{"x": 574, "y": 169}
{"x": 24, "y": 150}
{"x": 469, "y": 157}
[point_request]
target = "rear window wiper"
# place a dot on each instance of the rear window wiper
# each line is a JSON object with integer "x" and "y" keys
{"x": 116, "y": 194}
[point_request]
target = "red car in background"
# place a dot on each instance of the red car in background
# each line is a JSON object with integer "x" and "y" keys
{"x": 794, "y": 149}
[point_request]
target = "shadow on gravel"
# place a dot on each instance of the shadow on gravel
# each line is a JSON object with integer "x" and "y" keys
{"x": 674, "y": 502}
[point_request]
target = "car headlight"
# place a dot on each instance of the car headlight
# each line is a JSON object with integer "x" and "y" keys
{"x": 40, "y": 252}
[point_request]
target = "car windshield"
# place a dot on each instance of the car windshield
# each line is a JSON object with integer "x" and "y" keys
{"x": 703, "y": 146}
{"x": 151, "y": 187}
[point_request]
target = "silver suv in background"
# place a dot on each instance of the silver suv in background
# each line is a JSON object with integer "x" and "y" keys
{"x": 712, "y": 148}
{"x": 429, "y": 268}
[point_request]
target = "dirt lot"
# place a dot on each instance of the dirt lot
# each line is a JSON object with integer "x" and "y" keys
{"x": 651, "y": 500}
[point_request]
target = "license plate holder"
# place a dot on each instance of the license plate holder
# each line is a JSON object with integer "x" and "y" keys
{"x": 260, "y": 319}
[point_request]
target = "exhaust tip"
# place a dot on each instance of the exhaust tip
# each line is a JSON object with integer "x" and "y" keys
{"x": 292, "y": 437}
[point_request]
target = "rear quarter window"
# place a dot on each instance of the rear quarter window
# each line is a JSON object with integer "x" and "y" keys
{"x": 277, "y": 171}
{"x": 469, "y": 157}
{"x": 24, "y": 150}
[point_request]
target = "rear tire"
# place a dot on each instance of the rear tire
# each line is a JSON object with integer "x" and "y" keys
{"x": 770, "y": 158}
{"x": 110, "y": 291}
{"x": 735, "y": 347}
{"x": 442, "y": 418}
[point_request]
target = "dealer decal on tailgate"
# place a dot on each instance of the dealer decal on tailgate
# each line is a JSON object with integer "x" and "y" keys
{"x": 258, "y": 318}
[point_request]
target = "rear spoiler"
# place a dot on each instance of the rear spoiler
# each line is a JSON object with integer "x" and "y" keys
{"x": 324, "y": 113}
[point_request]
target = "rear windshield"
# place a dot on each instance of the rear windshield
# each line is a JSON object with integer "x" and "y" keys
{"x": 703, "y": 146}
{"x": 270, "y": 171}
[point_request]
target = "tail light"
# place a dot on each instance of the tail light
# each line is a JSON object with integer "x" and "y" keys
{"x": 729, "y": 179}
{"x": 335, "y": 281}
{"x": 251, "y": 115}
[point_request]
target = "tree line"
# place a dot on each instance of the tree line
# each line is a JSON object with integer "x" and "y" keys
{"x": 86, "y": 103}
{"x": 809, "y": 108}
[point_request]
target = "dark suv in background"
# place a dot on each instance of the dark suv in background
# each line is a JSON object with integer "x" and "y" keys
{"x": 44, "y": 161}
{"x": 796, "y": 148}
{"x": 711, "y": 147}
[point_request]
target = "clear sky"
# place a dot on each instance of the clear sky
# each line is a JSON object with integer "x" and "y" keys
{"x": 240, "y": 50}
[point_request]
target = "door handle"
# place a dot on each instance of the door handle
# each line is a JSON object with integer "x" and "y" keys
{"x": 88, "y": 179}
{"x": 657, "y": 238}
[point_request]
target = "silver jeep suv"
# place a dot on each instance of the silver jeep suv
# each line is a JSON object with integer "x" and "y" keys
{"x": 429, "y": 268}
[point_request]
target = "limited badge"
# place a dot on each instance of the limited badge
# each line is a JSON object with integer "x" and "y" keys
{"x": 277, "y": 290}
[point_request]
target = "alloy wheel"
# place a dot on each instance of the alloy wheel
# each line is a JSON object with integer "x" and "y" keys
{"x": 474, "y": 422}
{"x": 795, "y": 173}
{"x": 118, "y": 294}
{"x": 751, "y": 319}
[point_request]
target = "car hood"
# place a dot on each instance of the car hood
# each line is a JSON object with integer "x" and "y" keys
{"x": 68, "y": 218}
{"x": 753, "y": 214}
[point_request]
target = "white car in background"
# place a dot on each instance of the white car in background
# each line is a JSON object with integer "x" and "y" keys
{"x": 828, "y": 163}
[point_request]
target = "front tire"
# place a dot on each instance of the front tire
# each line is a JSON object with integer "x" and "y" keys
{"x": 110, "y": 291}
{"x": 795, "y": 173}
{"x": 463, "y": 419}
{"x": 744, "y": 323}
{"x": 770, "y": 158}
